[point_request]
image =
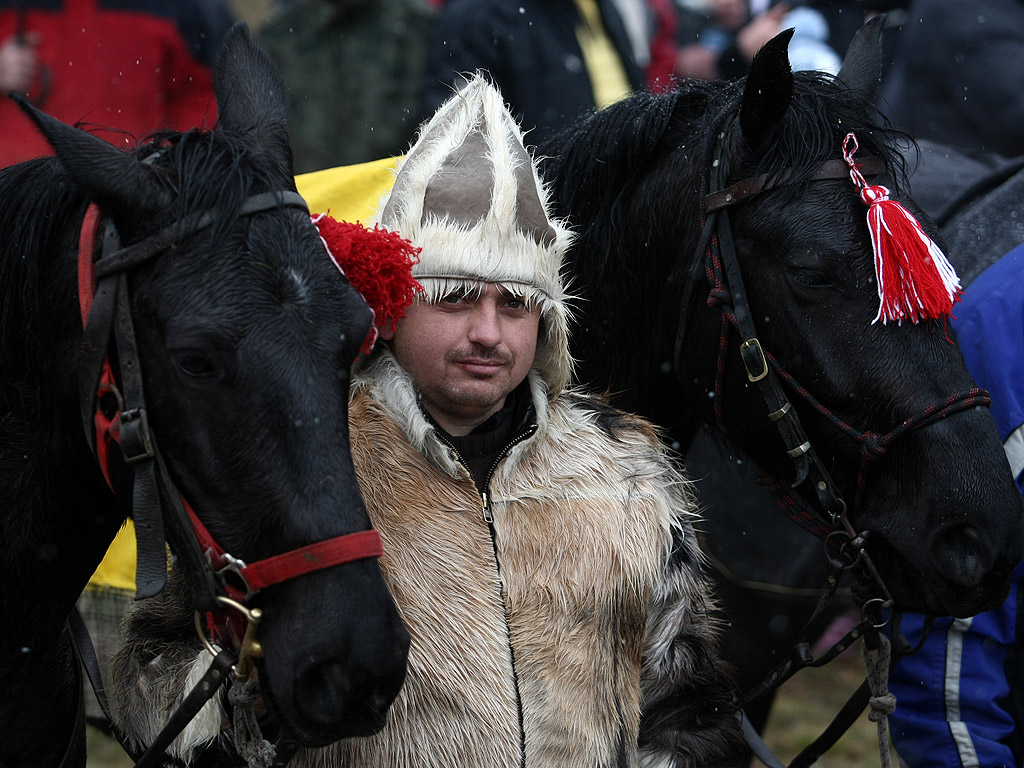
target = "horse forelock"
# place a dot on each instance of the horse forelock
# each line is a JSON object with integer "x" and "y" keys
{"x": 208, "y": 171}
{"x": 821, "y": 113}
{"x": 217, "y": 172}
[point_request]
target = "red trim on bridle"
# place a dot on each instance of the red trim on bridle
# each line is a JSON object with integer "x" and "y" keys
{"x": 252, "y": 578}
{"x": 273, "y": 570}
{"x": 242, "y": 581}
{"x": 106, "y": 426}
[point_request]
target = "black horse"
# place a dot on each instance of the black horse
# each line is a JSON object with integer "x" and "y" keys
{"x": 887, "y": 409}
{"x": 245, "y": 333}
{"x": 769, "y": 573}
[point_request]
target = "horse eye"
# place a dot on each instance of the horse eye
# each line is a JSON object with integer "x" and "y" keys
{"x": 812, "y": 278}
{"x": 195, "y": 364}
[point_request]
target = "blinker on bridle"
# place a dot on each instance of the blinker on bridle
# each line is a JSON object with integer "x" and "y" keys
{"x": 113, "y": 412}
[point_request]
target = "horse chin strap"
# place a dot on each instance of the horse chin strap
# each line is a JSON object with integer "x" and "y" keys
{"x": 113, "y": 413}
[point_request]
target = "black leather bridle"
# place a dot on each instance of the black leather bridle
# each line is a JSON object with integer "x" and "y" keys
{"x": 113, "y": 411}
{"x": 716, "y": 259}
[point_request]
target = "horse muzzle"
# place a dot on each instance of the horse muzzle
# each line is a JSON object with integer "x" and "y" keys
{"x": 973, "y": 569}
{"x": 341, "y": 682}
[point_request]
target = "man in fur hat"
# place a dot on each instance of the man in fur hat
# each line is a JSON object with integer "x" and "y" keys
{"x": 538, "y": 543}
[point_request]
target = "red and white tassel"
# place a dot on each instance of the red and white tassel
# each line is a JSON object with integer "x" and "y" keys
{"x": 378, "y": 263}
{"x": 915, "y": 279}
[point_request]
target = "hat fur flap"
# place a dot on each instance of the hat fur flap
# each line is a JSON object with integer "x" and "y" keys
{"x": 468, "y": 194}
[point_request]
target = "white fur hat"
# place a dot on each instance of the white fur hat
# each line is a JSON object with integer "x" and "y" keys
{"x": 468, "y": 194}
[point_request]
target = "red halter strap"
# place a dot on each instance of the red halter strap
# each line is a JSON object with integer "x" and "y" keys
{"x": 264, "y": 573}
{"x": 273, "y": 570}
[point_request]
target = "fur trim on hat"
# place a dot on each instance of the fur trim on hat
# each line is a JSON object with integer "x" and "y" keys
{"x": 468, "y": 194}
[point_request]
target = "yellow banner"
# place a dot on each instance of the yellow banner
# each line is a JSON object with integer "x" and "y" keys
{"x": 349, "y": 192}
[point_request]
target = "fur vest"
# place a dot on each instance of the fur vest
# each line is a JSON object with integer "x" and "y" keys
{"x": 560, "y": 619}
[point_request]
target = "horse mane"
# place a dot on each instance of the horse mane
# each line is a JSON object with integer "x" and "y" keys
{"x": 596, "y": 163}
{"x": 652, "y": 147}
{"x": 822, "y": 111}
{"x": 36, "y": 201}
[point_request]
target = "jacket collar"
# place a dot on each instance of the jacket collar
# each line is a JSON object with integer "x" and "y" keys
{"x": 391, "y": 386}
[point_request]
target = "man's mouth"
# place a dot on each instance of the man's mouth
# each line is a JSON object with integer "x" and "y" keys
{"x": 482, "y": 366}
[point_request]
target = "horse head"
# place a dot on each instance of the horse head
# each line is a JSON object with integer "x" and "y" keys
{"x": 890, "y": 444}
{"x": 246, "y": 332}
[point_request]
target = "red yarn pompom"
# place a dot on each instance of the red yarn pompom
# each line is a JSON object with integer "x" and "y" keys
{"x": 915, "y": 279}
{"x": 378, "y": 263}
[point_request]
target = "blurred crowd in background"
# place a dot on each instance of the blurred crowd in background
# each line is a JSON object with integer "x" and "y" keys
{"x": 364, "y": 73}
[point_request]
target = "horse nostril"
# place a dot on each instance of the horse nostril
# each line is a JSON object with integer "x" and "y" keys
{"x": 322, "y": 693}
{"x": 959, "y": 554}
{"x": 330, "y": 694}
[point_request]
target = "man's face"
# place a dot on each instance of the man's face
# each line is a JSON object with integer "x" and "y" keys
{"x": 466, "y": 353}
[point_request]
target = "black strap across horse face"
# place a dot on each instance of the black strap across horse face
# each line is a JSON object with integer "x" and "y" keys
{"x": 113, "y": 411}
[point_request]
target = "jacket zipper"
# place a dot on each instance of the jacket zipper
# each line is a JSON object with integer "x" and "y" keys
{"x": 485, "y": 506}
{"x": 486, "y": 503}
{"x": 485, "y": 498}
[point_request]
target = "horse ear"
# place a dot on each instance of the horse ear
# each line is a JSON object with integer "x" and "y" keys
{"x": 252, "y": 99}
{"x": 862, "y": 67}
{"x": 117, "y": 181}
{"x": 768, "y": 90}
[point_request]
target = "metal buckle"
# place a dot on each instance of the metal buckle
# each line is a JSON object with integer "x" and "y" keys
{"x": 750, "y": 351}
{"x": 133, "y": 435}
{"x": 232, "y": 566}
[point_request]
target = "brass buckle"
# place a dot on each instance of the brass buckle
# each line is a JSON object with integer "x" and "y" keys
{"x": 750, "y": 350}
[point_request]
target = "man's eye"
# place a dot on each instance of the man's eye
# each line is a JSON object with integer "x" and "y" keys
{"x": 453, "y": 298}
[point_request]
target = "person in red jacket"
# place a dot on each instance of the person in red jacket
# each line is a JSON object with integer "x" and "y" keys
{"x": 121, "y": 69}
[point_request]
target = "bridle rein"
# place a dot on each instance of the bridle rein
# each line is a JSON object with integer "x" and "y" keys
{"x": 716, "y": 259}
{"x": 113, "y": 413}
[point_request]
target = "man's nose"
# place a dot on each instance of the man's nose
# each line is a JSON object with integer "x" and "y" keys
{"x": 485, "y": 327}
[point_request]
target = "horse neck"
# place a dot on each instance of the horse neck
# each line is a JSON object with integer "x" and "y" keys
{"x": 631, "y": 299}
{"x": 58, "y": 518}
